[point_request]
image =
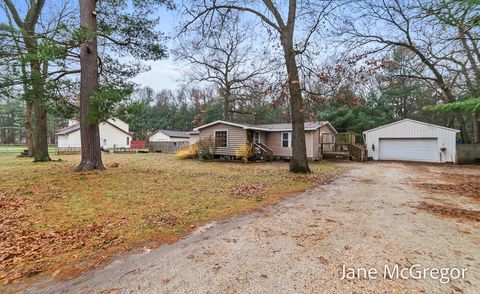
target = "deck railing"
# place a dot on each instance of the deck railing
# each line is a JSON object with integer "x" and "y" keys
{"x": 358, "y": 152}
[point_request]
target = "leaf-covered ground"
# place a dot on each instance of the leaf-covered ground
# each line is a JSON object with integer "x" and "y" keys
{"x": 458, "y": 187}
{"x": 56, "y": 222}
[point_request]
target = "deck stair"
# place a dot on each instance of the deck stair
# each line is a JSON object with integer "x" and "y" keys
{"x": 263, "y": 150}
{"x": 332, "y": 155}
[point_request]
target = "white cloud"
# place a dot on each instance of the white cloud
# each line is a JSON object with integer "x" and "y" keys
{"x": 164, "y": 74}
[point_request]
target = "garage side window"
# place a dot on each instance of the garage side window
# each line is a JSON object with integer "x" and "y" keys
{"x": 221, "y": 139}
{"x": 287, "y": 140}
{"x": 128, "y": 141}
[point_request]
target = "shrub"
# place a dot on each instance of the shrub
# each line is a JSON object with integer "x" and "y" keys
{"x": 205, "y": 149}
{"x": 245, "y": 152}
{"x": 188, "y": 153}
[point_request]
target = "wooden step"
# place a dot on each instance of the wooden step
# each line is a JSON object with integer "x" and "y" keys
{"x": 336, "y": 155}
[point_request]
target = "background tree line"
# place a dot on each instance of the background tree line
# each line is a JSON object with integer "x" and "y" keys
{"x": 358, "y": 64}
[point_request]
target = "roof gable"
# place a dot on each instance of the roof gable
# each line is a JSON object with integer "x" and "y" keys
{"x": 412, "y": 121}
{"x": 76, "y": 127}
{"x": 221, "y": 122}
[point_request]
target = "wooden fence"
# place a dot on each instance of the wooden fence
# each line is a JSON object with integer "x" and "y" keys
{"x": 468, "y": 153}
{"x": 69, "y": 150}
{"x": 167, "y": 147}
{"x": 136, "y": 144}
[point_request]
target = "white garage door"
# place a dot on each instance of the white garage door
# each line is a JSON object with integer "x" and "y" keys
{"x": 414, "y": 149}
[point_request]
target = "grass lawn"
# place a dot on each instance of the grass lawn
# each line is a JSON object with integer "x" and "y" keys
{"x": 56, "y": 222}
{"x": 7, "y": 149}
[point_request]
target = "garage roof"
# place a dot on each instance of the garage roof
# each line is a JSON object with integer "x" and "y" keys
{"x": 411, "y": 120}
{"x": 175, "y": 134}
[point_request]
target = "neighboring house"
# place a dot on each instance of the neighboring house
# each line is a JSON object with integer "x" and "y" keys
{"x": 113, "y": 134}
{"x": 411, "y": 140}
{"x": 274, "y": 139}
{"x": 169, "y": 136}
{"x": 194, "y": 137}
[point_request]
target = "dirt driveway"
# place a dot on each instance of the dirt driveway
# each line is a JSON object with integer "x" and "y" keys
{"x": 367, "y": 218}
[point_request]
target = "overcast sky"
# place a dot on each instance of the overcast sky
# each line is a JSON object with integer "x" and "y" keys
{"x": 164, "y": 74}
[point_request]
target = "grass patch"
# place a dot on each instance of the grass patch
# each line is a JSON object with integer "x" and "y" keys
{"x": 57, "y": 222}
{"x": 7, "y": 149}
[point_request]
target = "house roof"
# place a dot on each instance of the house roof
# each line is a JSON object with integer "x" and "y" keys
{"x": 309, "y": 126}
{"x": 76, "y": 127}
{"x": 68, "y": 130}
{"x": 176, "y": 134}
{"x": 288, "y": 126}
{"x": 411, "y": 120}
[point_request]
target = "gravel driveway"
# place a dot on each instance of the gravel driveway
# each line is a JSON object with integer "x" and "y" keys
{"x": 363, "y": 219}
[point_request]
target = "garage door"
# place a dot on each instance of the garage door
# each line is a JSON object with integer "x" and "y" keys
{"x": 414, "y": 149}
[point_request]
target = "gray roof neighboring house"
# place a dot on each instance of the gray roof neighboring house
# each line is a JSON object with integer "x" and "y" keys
{"x": 175, "y": 134}
{"x": 68, "y": 130}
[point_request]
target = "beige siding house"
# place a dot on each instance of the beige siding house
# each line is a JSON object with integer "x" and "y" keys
{"x": 228, "y": 137}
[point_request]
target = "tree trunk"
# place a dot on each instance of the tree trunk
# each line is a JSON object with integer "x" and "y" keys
{"x": 41, "y": 134}
{"x": 298, "y": 162}
{"x": 28, "y": 128}
{"x": 89, "y": 130}
{"x": 463, "y": 129}
{"x": 39, "y": 113}
{"x": 40, "y": 152}
{"x": 226, "y": 103}
{"x": 476, "y": 128}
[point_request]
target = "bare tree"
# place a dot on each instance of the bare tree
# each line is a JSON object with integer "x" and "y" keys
{"x": 293, "y": 24}
{"x": 466, "y": 55}
{"x": 226, "y": 59}
{"x": 377, "y": 26}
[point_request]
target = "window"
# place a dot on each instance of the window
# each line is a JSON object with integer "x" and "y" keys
{"x": 221, "y": 139}
{"x": 256, "y": 137}
{"x": 287, "y": 140}
{"x": 128, "y": 141}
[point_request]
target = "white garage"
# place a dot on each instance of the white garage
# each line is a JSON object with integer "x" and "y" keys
{"x": 411, "y": 140}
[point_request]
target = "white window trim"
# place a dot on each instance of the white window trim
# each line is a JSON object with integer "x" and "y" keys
{"x": 289, "y": 139}
{"x": 215, "y": 137}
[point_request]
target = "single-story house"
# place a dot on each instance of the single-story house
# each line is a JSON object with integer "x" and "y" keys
{"x": 169, "y": 136}
{"x": 228, "y": 137}
{"x": 411, "y": 140}
{"x": 114, "y": 133}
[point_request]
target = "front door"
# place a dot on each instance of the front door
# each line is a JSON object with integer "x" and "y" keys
{"x": 256, "y": 137}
